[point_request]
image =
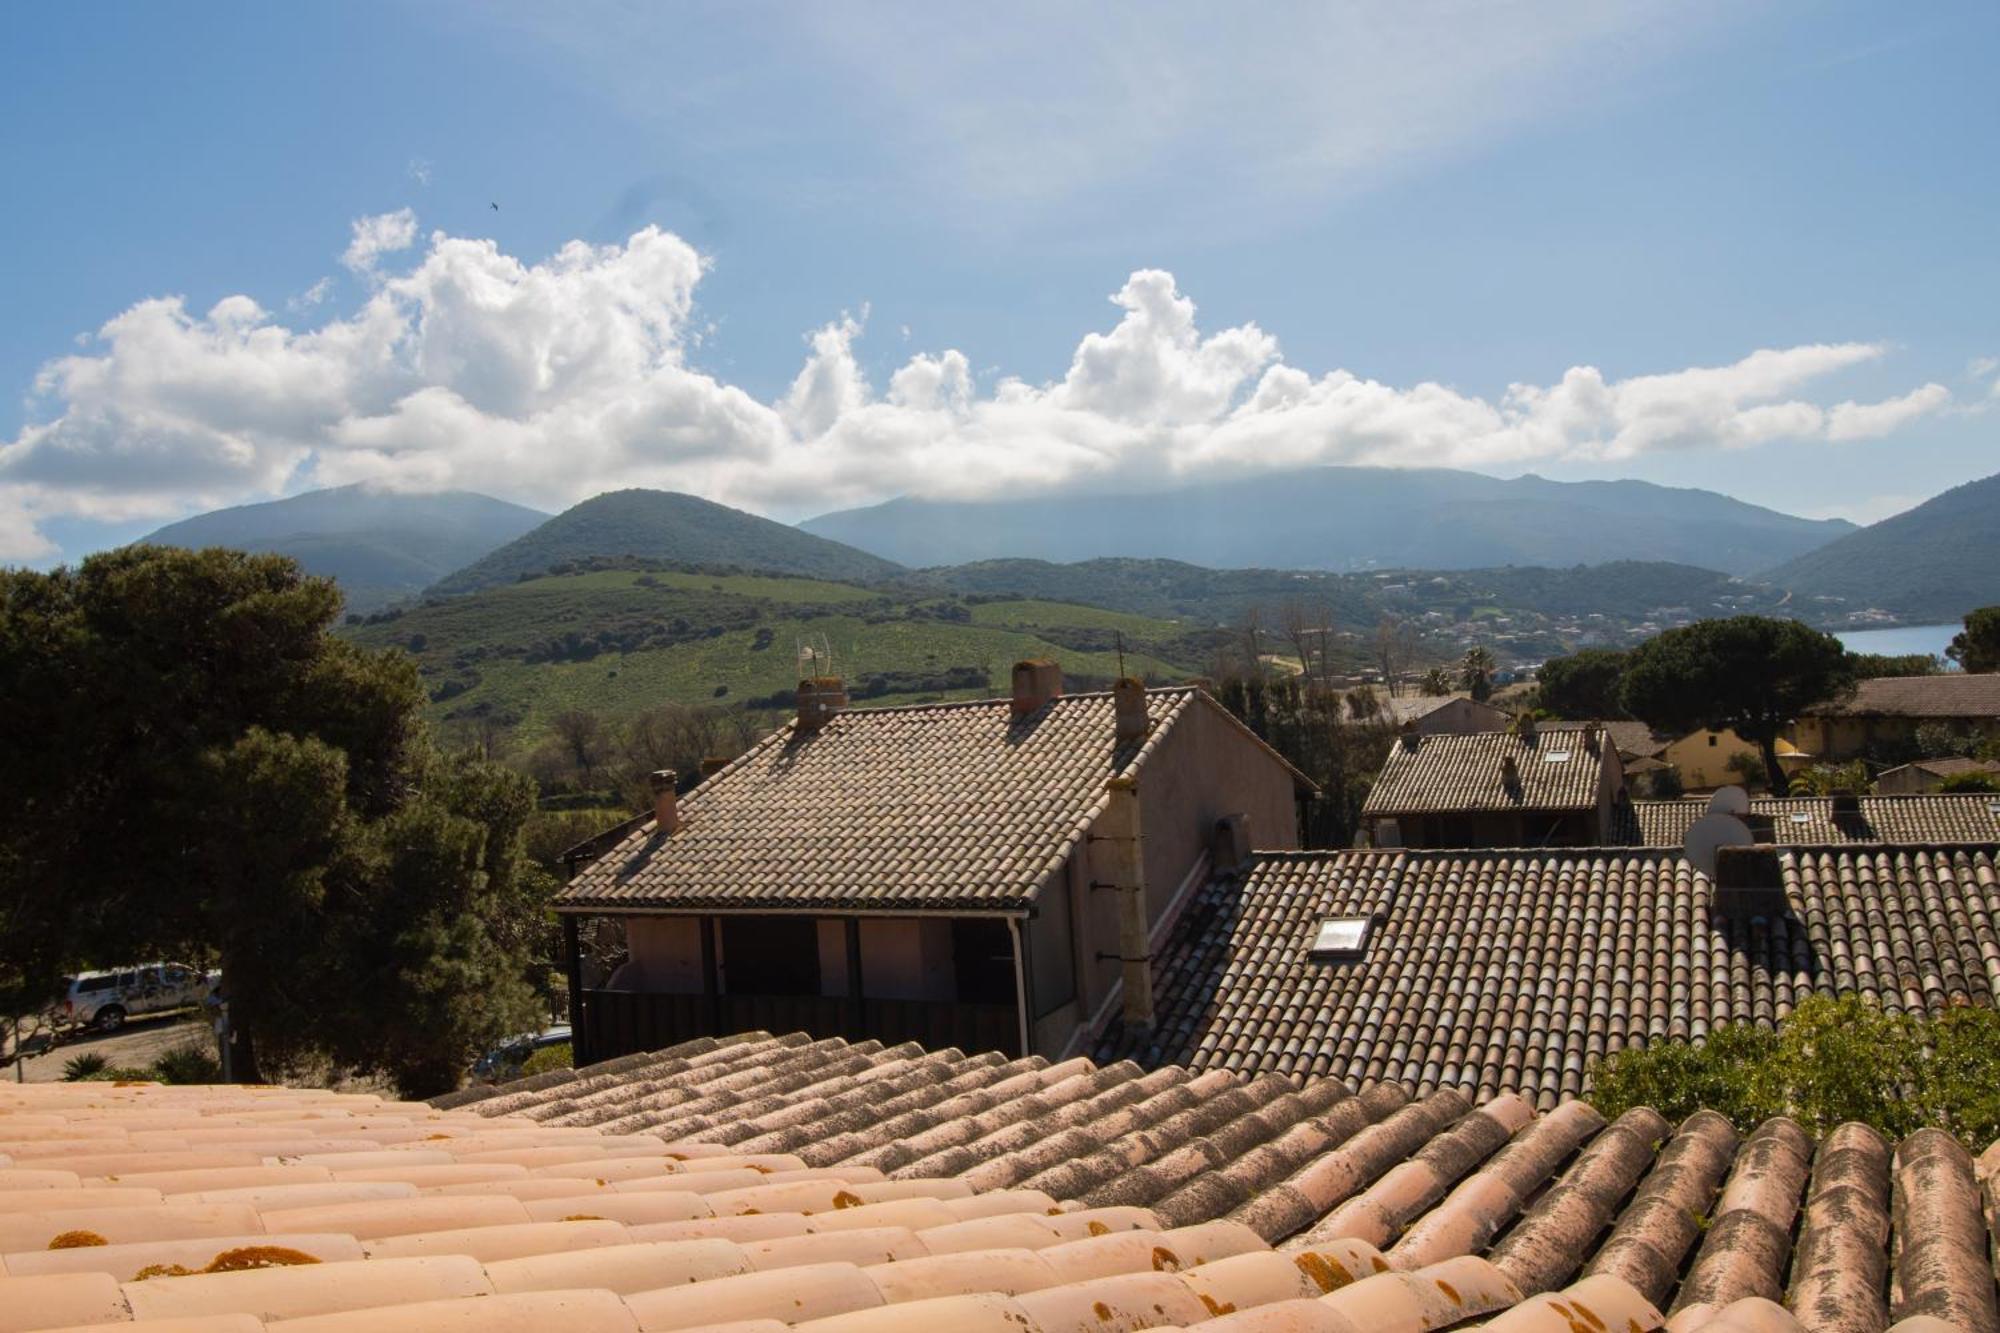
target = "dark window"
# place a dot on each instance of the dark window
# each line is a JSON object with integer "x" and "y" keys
{"x": 91, "y": 984}
{"x": 983, "y": 955}
{"x": 770, "y": 955}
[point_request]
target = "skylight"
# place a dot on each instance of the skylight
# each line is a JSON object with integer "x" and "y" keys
{"x": 1801, "y": 817}
{"x": 1340, "y": 937}
{"x": 1556, "y": 757}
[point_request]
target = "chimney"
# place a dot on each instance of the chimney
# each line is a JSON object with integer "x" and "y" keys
{"x": 1128, "y": 704}
{"x": 666, "y": 803}
{"x": 1510, "y": 772}
{"x": 1593, "y": 736}
{"x": 1846, "y": 805}
{"x": 1749, "y": 882}
{"x": 711, "y": 764}
{"x": 1036, "y": 682}
{"x": 1125, "y": 875}
{"x": 1410, "y": 739}
{"x": 819, "y": 699}
{"x": 1229, "y": 849}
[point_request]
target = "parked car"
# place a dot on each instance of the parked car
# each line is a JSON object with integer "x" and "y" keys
{"x": 104, "y": 1000}
{"x": 504, "y": 1061}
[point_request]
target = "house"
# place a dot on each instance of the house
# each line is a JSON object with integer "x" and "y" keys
{"x": 987, "y": 875}
{"x": 1818, "y": 821}
{"x": 1702, "y": 758}
{"x": 1930, "y": 774}
{"x": 1510, "y": 972}
{"x": 1883, "y": 715}
{"x": 765, "y": 1182}
{"x": 1528, "y": 787}
{"x": 1431, "y": 714}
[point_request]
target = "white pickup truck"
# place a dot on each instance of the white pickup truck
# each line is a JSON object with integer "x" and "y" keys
{"x": 104, "y": 1000}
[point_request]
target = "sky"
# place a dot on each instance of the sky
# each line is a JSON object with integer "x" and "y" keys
{"x": 798, "y": 258}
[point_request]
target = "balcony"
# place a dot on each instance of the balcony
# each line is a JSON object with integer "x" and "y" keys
{"x": 615, "y": 1022}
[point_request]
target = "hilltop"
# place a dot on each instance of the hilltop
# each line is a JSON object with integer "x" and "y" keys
{"x": 1345, "y": 518}
{"x": 671, "y": 527}
{"x": 1932, "y": 563}
{"x": 380, "y": 545}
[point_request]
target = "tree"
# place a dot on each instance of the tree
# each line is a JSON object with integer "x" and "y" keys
{"x": 1584, "y": 685}
{"x": 1437, "y": 682}
{"x": 244, "y": 788}
{"x": 1832, "y": 1061}
{"x": 1749, "y": 674}
{"x": 1475, "y": 673}
{"x": 580, "y": 739}
{"x": 1977, "y": 646}
{"x": 1971, "y": 782}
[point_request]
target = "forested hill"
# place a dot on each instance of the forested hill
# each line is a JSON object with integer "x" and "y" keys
{"x": 1932, "y": 563}
{"x": 669, "y": 527}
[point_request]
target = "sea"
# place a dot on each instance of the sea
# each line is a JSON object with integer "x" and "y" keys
{"x": 1931, "y": 639}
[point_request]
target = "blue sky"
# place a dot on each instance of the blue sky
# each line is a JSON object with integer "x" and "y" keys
{"x": 884, "y": 238}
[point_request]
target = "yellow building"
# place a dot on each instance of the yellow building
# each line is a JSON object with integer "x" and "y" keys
{"x": 1703, "y": 757}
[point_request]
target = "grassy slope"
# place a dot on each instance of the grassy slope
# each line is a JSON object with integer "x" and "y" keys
{"x": 486, "y": 641}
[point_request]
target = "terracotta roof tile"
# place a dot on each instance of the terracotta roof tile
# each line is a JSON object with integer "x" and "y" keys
{"x": 1818, "y": 821}
{"x": 1952, "y": 694}
{"x": 1250, "y": 1194}
{"x": 1554, "y": 768}
{"x": 939, "y": 805}
{"x": 1512, "y": 971}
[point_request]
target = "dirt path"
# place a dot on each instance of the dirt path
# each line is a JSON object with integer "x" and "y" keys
{"x": 138, "y": 1043}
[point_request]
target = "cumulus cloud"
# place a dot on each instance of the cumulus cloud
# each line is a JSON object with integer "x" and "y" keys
{"x": 382, "y": 234}
{"x": 550, "y": 381}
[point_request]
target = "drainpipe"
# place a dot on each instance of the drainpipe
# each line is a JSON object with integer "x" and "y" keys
{"x": 573, "y": 963}
{"x": 1118, "y": 828}
{"x": 1020, "y": 986}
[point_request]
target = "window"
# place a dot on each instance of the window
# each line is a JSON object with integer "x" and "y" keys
{"x": 1711, "y": 740}
{"x": 982, "y": 955}
{"x": 1340, "y": 937}
{"x": 1801, "y": 817}
{"x": 1556, "y": 757}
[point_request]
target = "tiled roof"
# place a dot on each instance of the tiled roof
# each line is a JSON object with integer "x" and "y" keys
{"x": 1636, "y": 739}
{"x": 1415, "y": 707}
{"x": 1555, "y": 770}
{"x": 941, "y": 805}
{"x": 1937, "y": 817}
{"x": 1511, "y": 971}
{"x": 1950, "y": 766}
{"x": 761, "y": 1183}
{"x": 1952, "y": 694}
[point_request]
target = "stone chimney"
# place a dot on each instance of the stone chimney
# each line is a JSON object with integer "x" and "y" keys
{"x": 819, "y": 699}
{"x": 666, "y": 802}
{"x": 1128, "y": 704}
{"x": 1749, "y": 882}
{"x": 1846, "y": 805}
{"x": 1036, "y": 682}
{"x": 1510, "y": 772}
{"x": 1593, "y": 737}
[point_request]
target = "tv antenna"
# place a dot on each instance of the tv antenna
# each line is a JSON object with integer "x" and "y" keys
{"x": 815, "y": 657}
{"x": 1118, "y": 637}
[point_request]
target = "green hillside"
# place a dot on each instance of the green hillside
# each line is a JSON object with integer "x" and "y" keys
{"x": 668, "y": 527}
{"x": 619, "y": 641}
{"x": 1932, "y": 563}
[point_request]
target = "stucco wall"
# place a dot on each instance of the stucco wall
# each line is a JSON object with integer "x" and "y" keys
{"x": 666, "y": 955}
{"x": 1206, "y": 768}
{"x": 902, "y": 958}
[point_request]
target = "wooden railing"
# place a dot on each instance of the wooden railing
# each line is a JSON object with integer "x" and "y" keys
{"x": 615, "y": 1022}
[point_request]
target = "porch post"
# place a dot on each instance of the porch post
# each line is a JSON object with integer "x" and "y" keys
{"x": 579, "y": 1038}
{"x": 711, "y": 991}
{"x": 857, "y": 1016}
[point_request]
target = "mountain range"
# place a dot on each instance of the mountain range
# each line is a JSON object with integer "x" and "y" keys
{"x": 381, "y": 545}
{"x": 1343, "y": 518}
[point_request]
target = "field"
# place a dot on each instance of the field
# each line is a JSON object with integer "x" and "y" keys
{"x": 617, "y": 642}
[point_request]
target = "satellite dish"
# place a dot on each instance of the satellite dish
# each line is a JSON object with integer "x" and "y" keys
{"x": 1729, "y": 801}
{"x": 1711, "y": 833}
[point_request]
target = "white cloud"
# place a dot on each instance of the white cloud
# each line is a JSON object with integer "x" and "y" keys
{"x": 548, "y": 382}
{"x": 311, "y": 296}
{"x": 382, "y": 234}
{"x": 419, "y": 170}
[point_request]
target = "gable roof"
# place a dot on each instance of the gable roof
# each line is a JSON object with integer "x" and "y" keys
{"x": 1636, "y": 739}
{"x": 938, "y": 806}
{"x": 1511, "y": 971}
{"x": 1950, "y": 694}
{"x": 1404, "y": 708}
{"x": 1557, "y": 770}
{"x": 1949, "y": 766}
{"x": 1931, "y": 817}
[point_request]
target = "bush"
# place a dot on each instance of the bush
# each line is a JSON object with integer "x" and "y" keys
{"x": 188, "y": 1063}
{"x": 1972, "y": 782}
{"x": 1831, "y": 1062}
{"x": 547, "y": 1059}
{"x": 89, "y": 1064}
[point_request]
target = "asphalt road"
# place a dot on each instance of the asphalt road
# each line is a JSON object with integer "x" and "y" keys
{"x": 140, "y": 1042}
